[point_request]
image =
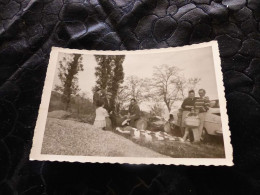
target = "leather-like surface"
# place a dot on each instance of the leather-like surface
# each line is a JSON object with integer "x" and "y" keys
{"x": 28, "y": 30}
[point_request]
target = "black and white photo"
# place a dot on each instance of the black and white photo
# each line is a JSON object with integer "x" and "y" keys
{"x": 159, "y": 106}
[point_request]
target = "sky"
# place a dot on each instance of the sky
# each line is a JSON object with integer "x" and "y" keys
{"x": 193, "y": 63}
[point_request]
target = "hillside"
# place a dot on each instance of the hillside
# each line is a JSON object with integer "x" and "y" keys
{"x": 66, "y": 137}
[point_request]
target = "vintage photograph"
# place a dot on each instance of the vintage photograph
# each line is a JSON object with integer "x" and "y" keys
{"x": 159, "y": 106}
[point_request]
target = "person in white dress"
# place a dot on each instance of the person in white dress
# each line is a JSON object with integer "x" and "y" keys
{"x": 101, "y": 114}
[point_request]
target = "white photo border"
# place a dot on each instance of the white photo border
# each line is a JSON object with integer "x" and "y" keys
{"x": 43, "y": 112}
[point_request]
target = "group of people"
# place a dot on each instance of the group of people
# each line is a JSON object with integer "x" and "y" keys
{"x": 103, "y": 115}
{"x": 194, "y": 107}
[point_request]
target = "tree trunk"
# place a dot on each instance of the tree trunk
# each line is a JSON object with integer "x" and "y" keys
{"x": 169, "y": 108}
{"x": 71, "y": 72}
{"x": 167, "y": 103}
{"x": 67, "y": 103}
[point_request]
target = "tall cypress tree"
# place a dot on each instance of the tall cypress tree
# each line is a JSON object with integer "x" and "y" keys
{"x": 110, "y": 75}
{"x": 117, "y": 79}
{"x": 70, "y": 65}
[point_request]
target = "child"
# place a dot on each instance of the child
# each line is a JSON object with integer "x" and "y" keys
{"x": 101, "y": 114}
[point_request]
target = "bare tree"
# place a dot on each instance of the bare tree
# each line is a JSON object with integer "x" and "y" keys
{"x": 122, "y": 97}
{"x": 133, "y": 87}
{"x": 168, "y": 85}
{"x": 192, "y": 83}
{"x": 184, "y": 85}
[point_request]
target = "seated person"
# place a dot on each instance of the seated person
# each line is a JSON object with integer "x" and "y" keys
{"x": 134, "y": 113}
{"x": 169, "y": 125}
{"x": 101, "y": 115}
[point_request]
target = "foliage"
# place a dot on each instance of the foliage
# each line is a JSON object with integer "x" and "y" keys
{"x": 157, "y": 109}
{"x": 110, "y": 76}
{"x": 80, "y": 105}
{"x": 70, "y": 65}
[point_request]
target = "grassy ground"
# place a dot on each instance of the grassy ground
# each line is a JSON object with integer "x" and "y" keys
{"x": 67, "y": 137}
{"x": 177, "y": 149}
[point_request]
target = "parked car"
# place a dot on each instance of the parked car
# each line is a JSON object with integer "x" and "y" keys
{"x": 212, "y": 123}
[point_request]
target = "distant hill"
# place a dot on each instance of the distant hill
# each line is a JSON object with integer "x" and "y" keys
{"x": 78, "y": 104}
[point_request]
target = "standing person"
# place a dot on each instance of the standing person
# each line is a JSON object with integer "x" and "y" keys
{"x": 201, "y": 107}
{"x": 187, "y": 105}
{"x": 101, "y": 114}
{"x": 194, "y": 129}
{"x": 134, "y": 112}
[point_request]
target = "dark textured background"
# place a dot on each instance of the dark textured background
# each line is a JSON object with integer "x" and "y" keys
{"x": 28, "y": 30}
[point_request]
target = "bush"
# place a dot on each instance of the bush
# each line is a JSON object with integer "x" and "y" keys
{"x": 60, "y": 114}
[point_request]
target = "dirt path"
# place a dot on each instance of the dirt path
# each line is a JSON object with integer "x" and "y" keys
{"x": 65, "y": 137}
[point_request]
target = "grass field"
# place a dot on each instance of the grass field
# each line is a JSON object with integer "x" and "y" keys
{"x": 67, "y": 137}
{"x": 177, "y": 149}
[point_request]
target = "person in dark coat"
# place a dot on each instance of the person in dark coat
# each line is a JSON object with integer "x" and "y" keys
{"x": 134, "y": 113}
{"x": 189, "y": 102}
